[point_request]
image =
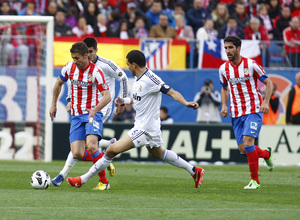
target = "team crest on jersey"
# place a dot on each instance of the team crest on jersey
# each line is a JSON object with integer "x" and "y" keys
{"x": 246, "y": 72}
{"x": 140, "y": 89}
{"x": 90, "y": 78}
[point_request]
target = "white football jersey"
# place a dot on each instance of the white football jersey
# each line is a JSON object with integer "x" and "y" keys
{"x": 146, "y": 101}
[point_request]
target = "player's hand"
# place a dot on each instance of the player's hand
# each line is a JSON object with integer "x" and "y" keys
{"x": 119, "y": 101}
{"x": 52, "y": 112}
{"x": 193, "y": 105}
{"x": 119, "y": 110}
{"x": 69, "y": 107}
{"x": 224, "y": 111}
{"x": 264, "y": 108}
{"x": 92, "y": 113}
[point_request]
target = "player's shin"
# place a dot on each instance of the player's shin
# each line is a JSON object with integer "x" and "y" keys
{"x": 70, "y": 162}
{"x": 100, "y": 165}
{"x": 173, "y": 159}
{"x": 252, "y": 158}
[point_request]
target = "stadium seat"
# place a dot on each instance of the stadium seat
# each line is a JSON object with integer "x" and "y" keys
{"x": 276, "y": 53}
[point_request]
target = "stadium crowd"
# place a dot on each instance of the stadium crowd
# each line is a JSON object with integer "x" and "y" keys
{"x": 264, "y": 20}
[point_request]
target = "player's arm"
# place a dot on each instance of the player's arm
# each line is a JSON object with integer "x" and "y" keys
{"x": 56, "y": 91}
{"x": 178, "y": 97}
{"x": 264, "y": 108}
{"x": 224, "y": 99}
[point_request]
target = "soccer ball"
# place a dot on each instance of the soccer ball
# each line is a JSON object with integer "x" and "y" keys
{"x": 40, "y": 180}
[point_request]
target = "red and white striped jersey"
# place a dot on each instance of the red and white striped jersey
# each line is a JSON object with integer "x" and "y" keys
{"x": 242, "y": 81}
{"x": 85, "y": 85}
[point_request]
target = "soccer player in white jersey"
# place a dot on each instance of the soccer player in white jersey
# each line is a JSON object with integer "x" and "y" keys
{"x": 87, "y": 80}
{"x": 111, "y": 73}
{"x": 146, "y": 91}
{"x": 238, "y": 76}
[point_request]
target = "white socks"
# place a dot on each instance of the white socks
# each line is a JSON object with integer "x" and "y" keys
{"x": 70, "y": 162}
{"x": 96, "y": 168}
{"x": 104, "y": 143}
{"x": 172, "y": 158}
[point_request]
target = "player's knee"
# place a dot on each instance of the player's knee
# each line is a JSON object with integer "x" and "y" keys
{"x": 77, "y": 155}
{"x": 111, "y": 151}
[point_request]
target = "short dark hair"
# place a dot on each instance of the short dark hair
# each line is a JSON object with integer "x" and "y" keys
{"x": 137, "y": 57}
{"x": 79, "y": 47}
{"x": 164, "y": 109}
{"x": 90, "y": 42}
{"x": 235, "y": 40}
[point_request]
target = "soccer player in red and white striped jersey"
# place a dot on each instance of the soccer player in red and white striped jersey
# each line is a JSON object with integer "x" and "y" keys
{"x": 86, "y": 118}
{"x": 238, "y": 77}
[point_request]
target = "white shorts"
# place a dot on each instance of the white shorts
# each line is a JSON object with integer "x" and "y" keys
{"x": 142, "y": 138}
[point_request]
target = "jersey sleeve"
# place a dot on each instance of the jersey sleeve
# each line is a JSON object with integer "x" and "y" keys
{"x": 156, "y": 84}
{"x": 258, "y": 72}
{"x": 116, "y": 72}
{"x": 100, "y": 80}
{"x": 223, "y": 79}
{"x": 65, "y": 71}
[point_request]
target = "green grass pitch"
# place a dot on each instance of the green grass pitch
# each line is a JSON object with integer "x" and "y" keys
{"x": 151, "y": 191}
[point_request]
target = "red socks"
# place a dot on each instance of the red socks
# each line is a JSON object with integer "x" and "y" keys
{"x": 262, "y": 153}
{"x": 252, "y": 157}
{"x": 96, "y": 156}
{"x": 87, "y": 156}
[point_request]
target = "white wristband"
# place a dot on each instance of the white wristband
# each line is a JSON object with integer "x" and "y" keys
{"x": 127, "y": 100}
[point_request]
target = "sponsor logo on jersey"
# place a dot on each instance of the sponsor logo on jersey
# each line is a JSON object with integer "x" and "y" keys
{"x": 246, "y": 72}
{"x": 238, "y": 80}
{"x": 81, "y": 83}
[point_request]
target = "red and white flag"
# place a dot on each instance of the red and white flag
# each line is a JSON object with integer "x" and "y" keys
{"x": 157, "y": 53}
{"x": 212, "y": 52}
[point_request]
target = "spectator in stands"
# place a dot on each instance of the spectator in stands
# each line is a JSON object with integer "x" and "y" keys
{"x": 12, "y": 45}
{"x": 127, "y": 116}
{"x": 197, "y": 15}
{"x": 291, "y": 37}
{"x": 295, "y": 8}
{"x": 274, "y": 9}
{"x": 162, "y": 30}
{"x": 265, "y": 20}
{"x": 145, "y": 5}
{"x": 155, "y": 11}
{"x": 132, "y": 12}
{"x": 90, "y": 13}
{"x": 256, "y": 31}
{"x": 231, "y": 29}
{"x": 83, "y": 29}
{"x": 165, "y": 118}
{"x": 6, "y": 10}
{"x": 168, "y": 5}
{"x": 207, "y": 32}
{"x": 105, "y": 8}
{"x": 231, "y": 6}
{"x": 71, "y": 16}
{"x": 29, "y": 9}
{"x": 100, "y": 28}
{"x": 293, "y": 106}
{"x": 252, "y": 8}
{"x": 63, "y": 5}
{"x": 183, "y": 31}
{"x": 51, "y": 9}
{"x": 209, "y": 101}
{"x": 61, "y": 28}
{"x": 242, "y": 18}
{"x": 122, "y": 5}
{"x": 139, "y": 29}
{"x": 178, "y": 10}
{"x": 282, "y": 23}
{"x": 220, "y": 15}
{"x": 272, "y": 116}
{"x": 113, "y": 24}
{"x": 124, "y": 32}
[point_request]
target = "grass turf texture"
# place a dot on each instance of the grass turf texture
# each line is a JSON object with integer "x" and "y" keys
{"x": 150, "y": 191}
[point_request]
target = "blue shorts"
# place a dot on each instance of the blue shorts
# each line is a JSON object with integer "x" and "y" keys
{"x": 80, "y": 127}
{"x": 248, "y": 125}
